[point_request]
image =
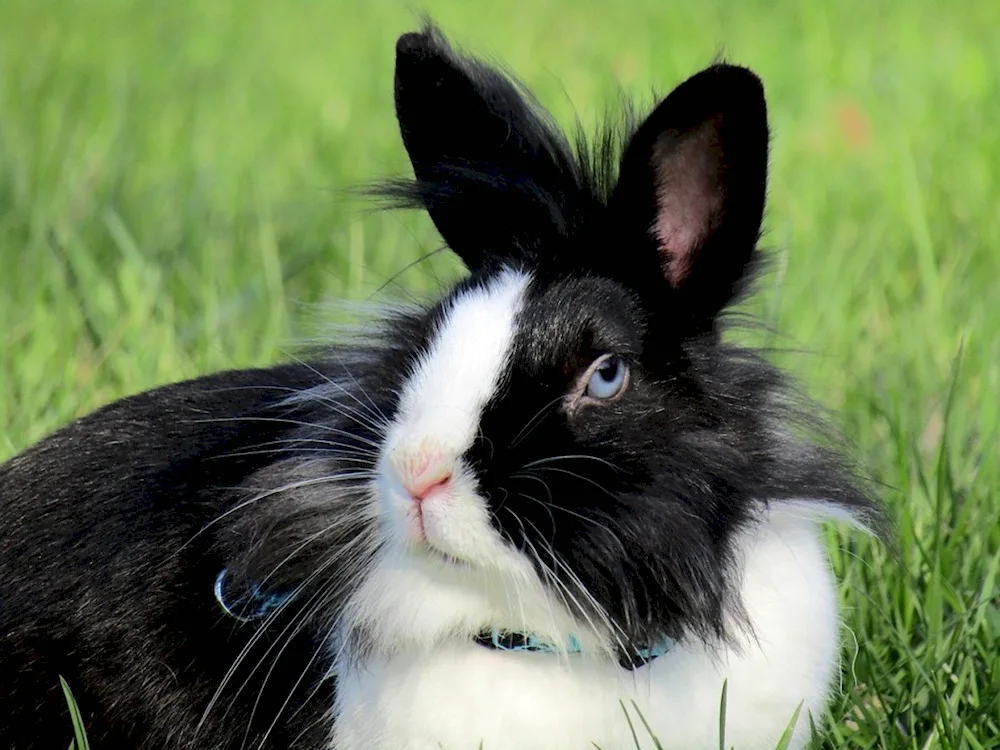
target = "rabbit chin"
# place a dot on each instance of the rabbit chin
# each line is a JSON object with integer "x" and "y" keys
{"x": 423, "y": 682}
{"x": 445, "y": 573}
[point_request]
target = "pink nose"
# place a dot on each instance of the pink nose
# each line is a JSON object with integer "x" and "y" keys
{"x": 420, "y": 487}
{"x": 423, "y": 471}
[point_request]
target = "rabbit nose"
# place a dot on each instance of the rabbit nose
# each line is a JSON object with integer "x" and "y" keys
{"x": 423, "y": 471}
{"x": 421, "y": 488}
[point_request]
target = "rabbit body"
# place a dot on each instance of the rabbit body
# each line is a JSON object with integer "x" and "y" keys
{"x": 518, "y": 517}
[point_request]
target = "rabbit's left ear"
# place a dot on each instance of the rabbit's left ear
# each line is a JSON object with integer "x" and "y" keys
{"x": 490, "y": 169}
{"x": 694, "y": 176}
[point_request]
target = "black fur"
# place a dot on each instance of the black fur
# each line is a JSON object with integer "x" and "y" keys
{"x": 113, "y": 530}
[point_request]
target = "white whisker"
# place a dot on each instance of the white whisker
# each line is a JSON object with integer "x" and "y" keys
{"x": 533, "y": 423}
{"x": 286, "y": 420}
{"x": 262, "y": 495}
{"x": 309, "y": 609}
{"x": 329, "y": 595}
{"x": 567, "y": 457}
{"x": 373, "y": 409}
{"x": 552, "y": 505}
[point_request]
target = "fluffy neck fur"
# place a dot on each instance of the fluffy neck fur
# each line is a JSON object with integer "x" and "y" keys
{"x": 443, "y": 691}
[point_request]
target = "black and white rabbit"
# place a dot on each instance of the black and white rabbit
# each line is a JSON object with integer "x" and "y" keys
{"x": 495, "y": 522}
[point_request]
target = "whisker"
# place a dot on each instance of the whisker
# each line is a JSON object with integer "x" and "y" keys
{"x": 285, "y": 420}
{"x": 247, "y": 648}
{"x": 333, "y": 447}
{"x": 369, "y": 416}
{"x": 506, "y": 494}
{"x": 293, "y": 451}
{"x": 357, "y": 475}
{"x": 546, "y": 572}
{"x": 609, "y": 626}
{"x": 319, "y": 441}
{"x": 407, "y": 267}
{"x": 549, "y": 577}
{"x": 532, "y": 424}
{"x": 375, "y": 421}
{"x": 573, "y": 513}
{"x": 613, "y": 629}
{"x": 536, "y": 478}
{"x": 321, "y": 719}
{"x": 582, "y": 478}
{"x": 310, "y": 607}
{"x": 329, "y": 528}
{"x": 482, "y": 436}
{"x": 374, "y": 409}
{"x": 567, "y": 457}
{"x": 337, "y": 624}
{"x": 328, "y": 596}
{"x": 547, "y": 506}
{"x": 308, "y": 667}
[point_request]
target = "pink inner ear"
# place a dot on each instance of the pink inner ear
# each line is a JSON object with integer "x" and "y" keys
{"x": 689, "y": 195}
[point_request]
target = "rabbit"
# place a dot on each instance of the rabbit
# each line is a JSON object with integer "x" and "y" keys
{"x": 555, "y": 508}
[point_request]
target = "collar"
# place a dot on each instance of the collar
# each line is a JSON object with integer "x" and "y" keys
{"x": 255, "y": 603}
{"x": 509, "y": 640}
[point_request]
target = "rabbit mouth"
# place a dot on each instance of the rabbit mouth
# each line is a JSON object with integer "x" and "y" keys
{"x": 425, "y": 547}
{"x": 448, "y": 524}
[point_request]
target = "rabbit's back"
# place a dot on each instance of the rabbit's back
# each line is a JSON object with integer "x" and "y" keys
{"x": 106, "y": 564}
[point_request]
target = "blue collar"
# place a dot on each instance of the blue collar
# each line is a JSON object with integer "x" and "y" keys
{"x": 256, "y": 603}
{"x": 507, "y": 640}
{"x": 253, "y": 604}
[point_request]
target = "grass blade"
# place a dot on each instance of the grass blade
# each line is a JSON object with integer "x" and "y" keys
{"x": 635, "y": 737}
{"x": 722, "y": 715}
{"x": 786, "y": 736}
{"x": 80, "y": 734}
{"x": 649, "y": 729}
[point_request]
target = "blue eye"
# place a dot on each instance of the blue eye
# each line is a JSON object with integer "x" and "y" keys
{"x": 608, "y": 377}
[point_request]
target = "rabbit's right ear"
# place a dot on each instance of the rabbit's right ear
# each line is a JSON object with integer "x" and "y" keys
{"x": 693, "y": 178}
{"x": 490, "y": 169}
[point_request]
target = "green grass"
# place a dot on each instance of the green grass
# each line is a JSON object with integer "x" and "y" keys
{"x": 172, "y": 202}
{"x": 79, "y": 741}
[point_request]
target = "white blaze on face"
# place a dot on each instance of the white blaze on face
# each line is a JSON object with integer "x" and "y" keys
{"x": 463, "y": 366}
{"x": 438, "y": 419}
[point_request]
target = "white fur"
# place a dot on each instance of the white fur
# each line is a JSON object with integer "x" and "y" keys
{"x": 445, "y": 395}
{"x": 455, "y": 695}
{"x": 438, "y": 418}
{"x": 426, "y": 685}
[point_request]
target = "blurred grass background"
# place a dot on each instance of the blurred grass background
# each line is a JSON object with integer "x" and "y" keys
{"x": 173, "y": 200}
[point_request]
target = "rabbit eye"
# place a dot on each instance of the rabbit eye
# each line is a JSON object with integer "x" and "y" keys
{"x": 608, "y": 377}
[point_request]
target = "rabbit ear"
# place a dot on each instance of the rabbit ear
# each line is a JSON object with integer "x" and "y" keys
{"x": 490, "y": 169}
{"x": 694, "y": 175}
